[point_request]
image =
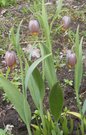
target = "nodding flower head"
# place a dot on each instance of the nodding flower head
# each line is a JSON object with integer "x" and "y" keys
{"x": 66, "y": 22}
{"x": 71, "y": 59}
{"x": 10, "y": 58}
{"x": 34, "y": 27}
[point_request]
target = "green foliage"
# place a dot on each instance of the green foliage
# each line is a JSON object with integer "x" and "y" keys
{"x": 64, "y": 125}
{"x": 4, "y": 3}
{"x": 68, "y": 82}
{"x": 1, "y": 51}
{"x": 35, "y": 83}
{"x": 33, "y": 79}
{"x": 36, "y": 87}
{"x": 57, "y": 13}
{"x": 78, "y": 74}
{"x": 84, "y": 107}
{"x": 5, "y": 132}
{"x": 45, "y": 25}
{"x": 79, "y": 64}
{"x": 48, "y": 67}
{"x": 2, "y": 132}
{"x": 56, "y": 101}
{"x": 17, "y": 99}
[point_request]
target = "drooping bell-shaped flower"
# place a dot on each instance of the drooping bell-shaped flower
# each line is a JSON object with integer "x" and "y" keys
{"x": 66, "y": 22}
{"x": 34, "y": 27}
{"x": 71, "y": 59}
{"x": 10, "y": 58}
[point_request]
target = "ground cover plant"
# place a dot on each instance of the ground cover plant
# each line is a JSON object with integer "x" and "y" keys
{"x": 37, "y": 70}
{"x": 7, "y": 3}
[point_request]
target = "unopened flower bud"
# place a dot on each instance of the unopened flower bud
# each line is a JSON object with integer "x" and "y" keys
{"x": 10, "y": 58}
{"x": 66, "y": 21}
{"x": 34, "y": 27}
{"x": 71, "y": 59}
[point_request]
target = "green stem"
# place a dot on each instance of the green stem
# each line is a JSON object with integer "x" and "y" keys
{"x": 42, "y": 118}
{"x": 7, "y": 72}
{"x": 21, "y": 56}
{"x": 57, "y": 130}
{"x": 22, "y": 78}
{"x": 29, "y": 130}
{"x": 80, "y": 110}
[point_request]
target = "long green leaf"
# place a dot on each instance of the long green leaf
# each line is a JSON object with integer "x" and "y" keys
{"x": 46, "y": 26}
{"x": 12, "y": 37}
{"x": 36, "y": 87}
{"x": 64, "y": 125}
{"x": 49, "y": 69}
{"x": 32, "y": 67}
{"x": 58, "y": 11}
{"x": 56, "y": 101}
{"x": 79, "y": 64}
{"x": 18, "y": 34}
{"x": 78, "y": 115}
{"x": 84, "y": 107}
{"x": 34, "y": 82}
{"x": 17, "y": 99}
{"x": 59, "y": 6}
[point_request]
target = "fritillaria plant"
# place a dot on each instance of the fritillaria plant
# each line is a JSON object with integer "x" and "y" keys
{"x": 66, "y": 22}
{"x": 10, "y": 58}
{"x": 71, "y": 58}
{"x": 34, "y": 27}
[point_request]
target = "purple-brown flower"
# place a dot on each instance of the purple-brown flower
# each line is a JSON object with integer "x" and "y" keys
{"x": 10, "y": 58}
{"x": 34, "y": 27}
{"x": 66, "y": 22}
{"x": 71, "y": 59}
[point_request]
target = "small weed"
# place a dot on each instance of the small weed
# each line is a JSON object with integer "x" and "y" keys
{"x": 68, "y": 82}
